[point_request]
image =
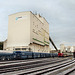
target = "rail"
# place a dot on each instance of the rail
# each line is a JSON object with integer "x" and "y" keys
{"x": 37, "y": 67}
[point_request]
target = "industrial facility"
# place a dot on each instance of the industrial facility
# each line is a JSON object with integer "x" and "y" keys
{"x": 27, "y": 32}
{"x": 28, "y": 37}
{"x": 69, "y": 50}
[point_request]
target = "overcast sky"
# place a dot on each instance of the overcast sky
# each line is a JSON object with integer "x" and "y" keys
{"x": 60, "y": 15}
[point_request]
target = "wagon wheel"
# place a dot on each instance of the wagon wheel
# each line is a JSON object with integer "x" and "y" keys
{"x": 8, "y": 58}
{"x": 3, "y": 58}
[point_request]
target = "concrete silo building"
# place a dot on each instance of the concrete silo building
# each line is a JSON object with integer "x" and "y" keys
{"x": 27, "y": 31}
{"x": 62, "y": 48}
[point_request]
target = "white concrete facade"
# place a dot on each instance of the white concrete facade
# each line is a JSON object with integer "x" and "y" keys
{"x": 29, "y": 32}
{"x": 5, "y": 45}
{"x": 62, "y": 48}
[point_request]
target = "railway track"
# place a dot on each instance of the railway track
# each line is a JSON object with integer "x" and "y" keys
{"x": 69, "y": 71}
{"x": 37, "y": 67}
{"x": 16, "y": 61}
{"x": 46, "y": 70}
{"x": 26, "y": 60}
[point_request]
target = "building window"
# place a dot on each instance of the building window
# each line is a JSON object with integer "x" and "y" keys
{"x": 24, "y": 48}
{"x": 17, "y": 48}
{"x": 37, "y": 26}
{"x": 30, "y": 49}
{"x": 33, "y": 23}
{"x": 33, "y": 30}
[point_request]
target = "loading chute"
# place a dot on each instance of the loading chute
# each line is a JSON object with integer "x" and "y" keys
{"x": 52, "y": 43}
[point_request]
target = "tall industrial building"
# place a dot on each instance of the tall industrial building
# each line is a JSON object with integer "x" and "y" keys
{"x": 62, "y": 48}
{"x": 27, "y": 31}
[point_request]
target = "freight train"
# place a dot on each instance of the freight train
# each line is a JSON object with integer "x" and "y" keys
{"x": 65, "y": 54}
{"x": 6, "y": 55}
